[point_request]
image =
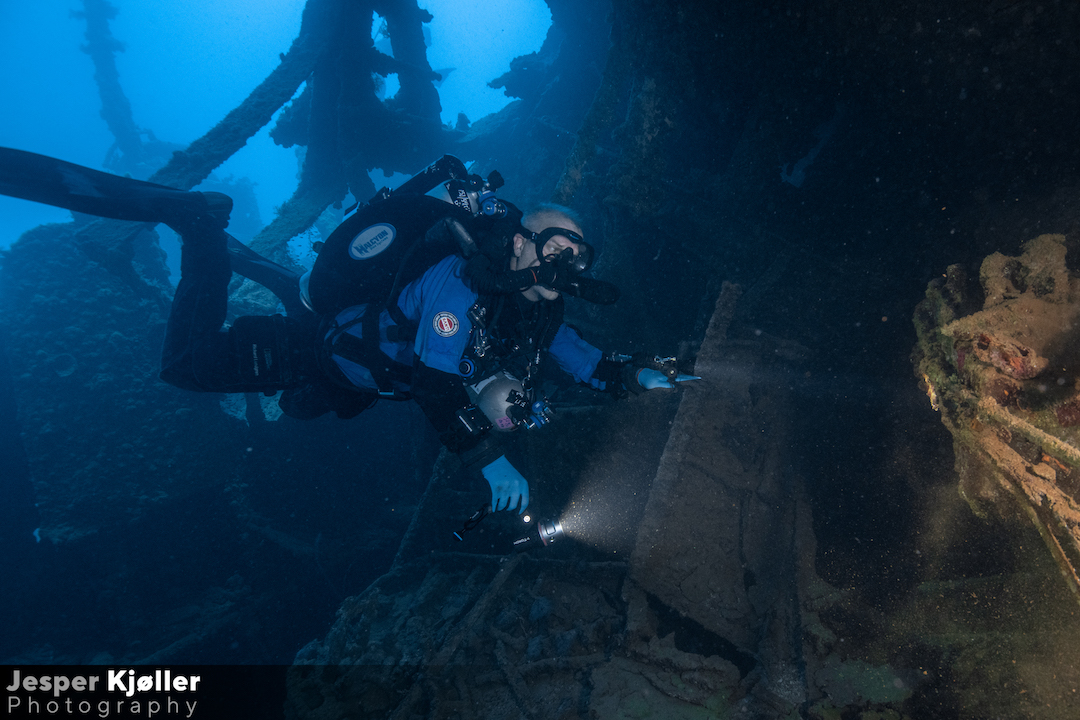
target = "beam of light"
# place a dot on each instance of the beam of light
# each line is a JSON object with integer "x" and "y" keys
{"x": 788, "y": 374}
{"x": 609, "y": 501}
{"x": 607, "y": 505}
{"x": 605, "y": 509}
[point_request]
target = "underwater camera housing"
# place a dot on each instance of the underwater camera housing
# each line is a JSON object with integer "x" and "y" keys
{"x": 503, "y": 400}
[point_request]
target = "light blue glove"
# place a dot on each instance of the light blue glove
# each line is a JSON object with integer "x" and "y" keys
{"x": 508, "y": 487}
{"x": 652, "y": 379}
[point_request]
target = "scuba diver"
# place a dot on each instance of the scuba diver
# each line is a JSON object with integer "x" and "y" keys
{"x": 438, "y": 291}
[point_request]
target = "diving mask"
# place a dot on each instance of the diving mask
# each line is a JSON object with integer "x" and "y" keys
{"x": 575, "y": 264}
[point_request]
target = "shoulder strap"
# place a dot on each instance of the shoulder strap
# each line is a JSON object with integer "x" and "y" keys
{"x": 365, "y": 352}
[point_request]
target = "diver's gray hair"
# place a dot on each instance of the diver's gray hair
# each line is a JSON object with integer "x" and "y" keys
{"x": 547, "y": 215}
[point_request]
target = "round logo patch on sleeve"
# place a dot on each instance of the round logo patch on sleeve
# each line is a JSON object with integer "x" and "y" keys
{"x": 445, "y": 324}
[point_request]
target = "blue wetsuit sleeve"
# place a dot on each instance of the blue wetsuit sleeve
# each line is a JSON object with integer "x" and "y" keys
{"x": 438, "y": 302}
{"x": 576, "y": 356}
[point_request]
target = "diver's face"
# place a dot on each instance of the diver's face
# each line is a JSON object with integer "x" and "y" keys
{"x": 525, "y": 257}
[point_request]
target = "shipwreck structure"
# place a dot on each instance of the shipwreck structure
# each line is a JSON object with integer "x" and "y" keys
{"x": 686, "y": 582}
{"x": 782, "y": 538}
{"x": 998, "y": 361}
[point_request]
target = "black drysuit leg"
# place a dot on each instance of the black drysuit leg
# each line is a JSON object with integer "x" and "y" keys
{"x": 197, "y": 354}
{"x": 257, "y": 353}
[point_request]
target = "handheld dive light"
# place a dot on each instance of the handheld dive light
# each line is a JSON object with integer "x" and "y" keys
{"x": 669, "y": 366}
{"x": 473, "y": 520}
{"x": 547, "y": 530}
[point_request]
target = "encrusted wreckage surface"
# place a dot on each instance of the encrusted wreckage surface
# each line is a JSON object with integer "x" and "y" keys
{"x": 1002, "y": 368}
{"x": 502, "y": 637}
{"x": 717, "y": 613}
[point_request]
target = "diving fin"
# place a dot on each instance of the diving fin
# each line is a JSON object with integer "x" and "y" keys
{"x": 47, "y": 180}
{"x": 280, "y": 280}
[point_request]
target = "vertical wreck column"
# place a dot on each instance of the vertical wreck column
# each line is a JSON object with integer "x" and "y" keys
{"x": 718, "y": 541}
{"x": 417, "y": 97}
{"x": 323, "y": 179}
{"x": 115, "y": 107}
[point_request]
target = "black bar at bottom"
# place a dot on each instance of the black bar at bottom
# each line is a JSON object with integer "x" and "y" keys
{"x": 151, "y": 692}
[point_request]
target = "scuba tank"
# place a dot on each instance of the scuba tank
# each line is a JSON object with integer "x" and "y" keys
{"x": 361, "y": 259}
{"x": 383, "y": 245}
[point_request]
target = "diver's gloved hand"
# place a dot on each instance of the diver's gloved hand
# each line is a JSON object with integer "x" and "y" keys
{"x": 653, "y": 379}
{"x": 508, "y": 486}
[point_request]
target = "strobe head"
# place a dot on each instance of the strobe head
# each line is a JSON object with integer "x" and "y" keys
{"x": 550, "y": 531}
